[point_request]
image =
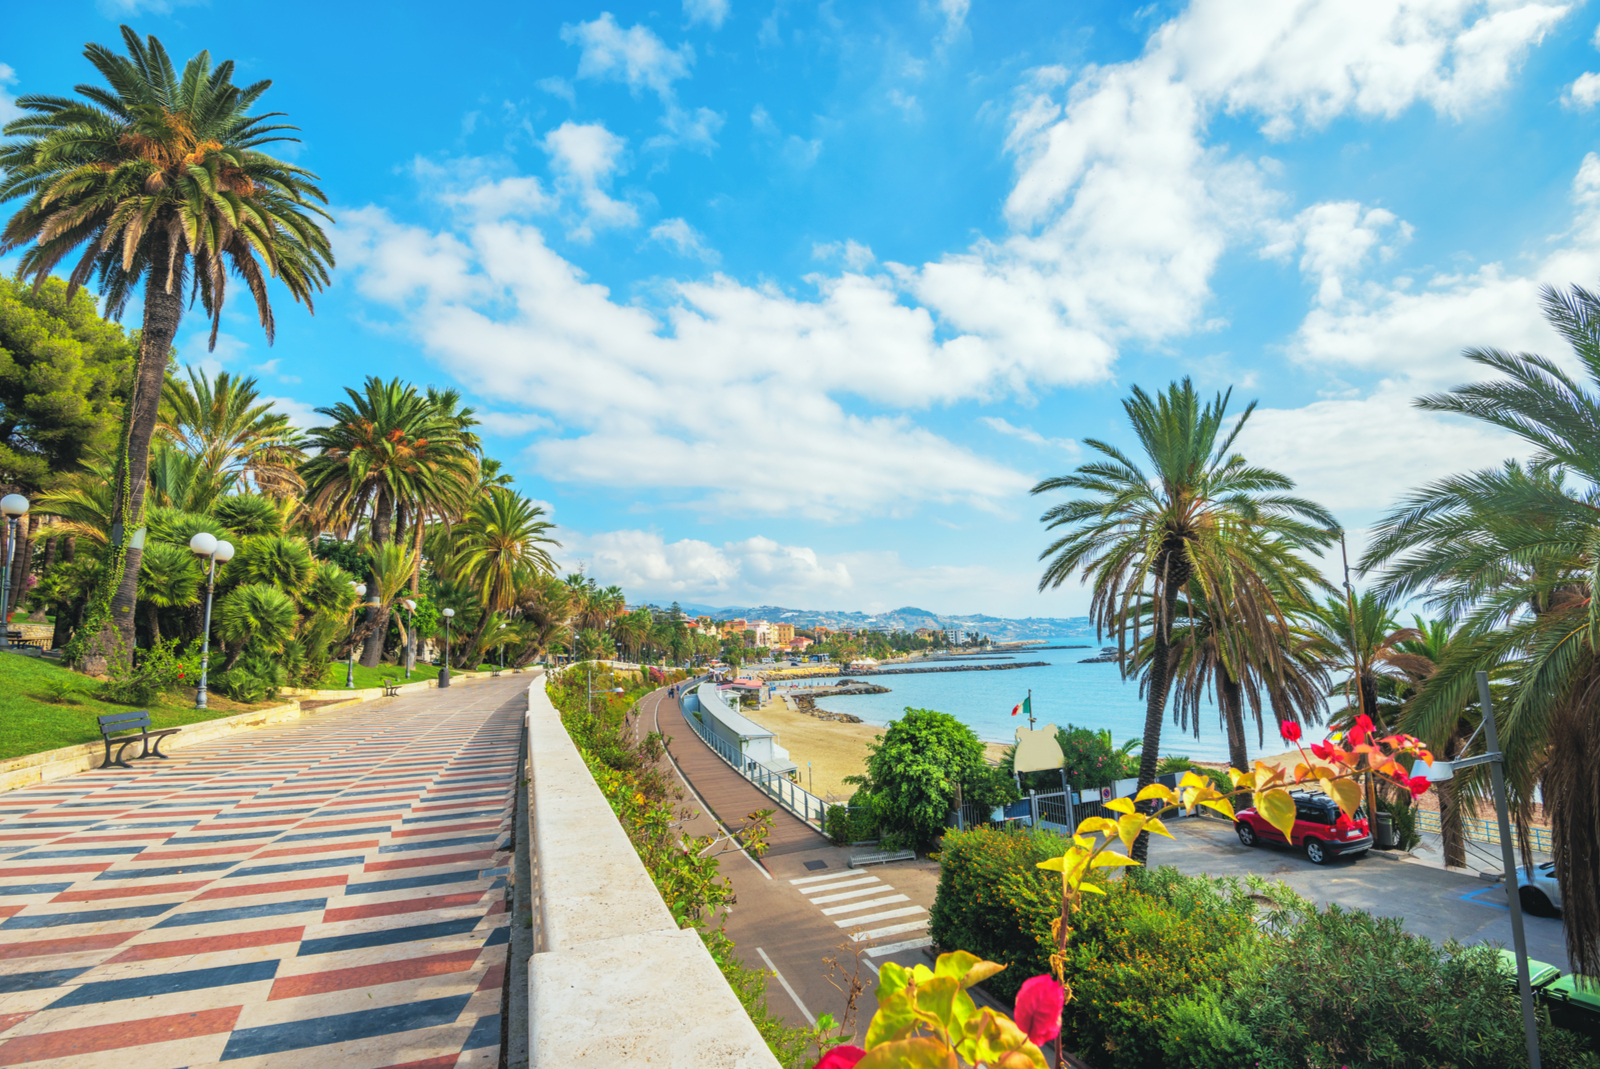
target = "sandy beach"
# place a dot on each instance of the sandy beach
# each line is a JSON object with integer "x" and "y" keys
{"x": 834, "y": 750}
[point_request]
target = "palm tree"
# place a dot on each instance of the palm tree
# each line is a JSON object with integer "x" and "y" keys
{"x": 387, "y": 449}
{"x": 501, "y": 545}
{"x": 1513, "y": 553}
{"x": 1142, "y": 538}
{"x": 156, "y": 181}
{"x": 1361, "y": 638}
{"x": 224, "y": 424}
{"x": 169, "y": 578}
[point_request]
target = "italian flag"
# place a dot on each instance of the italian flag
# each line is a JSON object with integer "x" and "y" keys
{"x": 1025, "y": 707}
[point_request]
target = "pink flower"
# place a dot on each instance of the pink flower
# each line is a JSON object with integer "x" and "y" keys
{"x": 1361, "y": 730}
{"x": 1039, "y": 1006}
{"x": 840, "y": 1058}
{"x": 1322, "y": 750}
{"x": 1289, "y": 730}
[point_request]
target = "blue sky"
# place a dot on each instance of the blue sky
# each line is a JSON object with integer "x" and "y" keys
{"x": 793, "y": 302}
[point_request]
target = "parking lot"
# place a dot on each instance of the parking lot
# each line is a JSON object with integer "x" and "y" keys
{"x": 1432, "y": 902}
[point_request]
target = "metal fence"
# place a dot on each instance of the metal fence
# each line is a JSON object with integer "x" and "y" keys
{"x": 1053, "y": 811}
{"x": 1484, "y": 831}
{"x": 781, "y": 789}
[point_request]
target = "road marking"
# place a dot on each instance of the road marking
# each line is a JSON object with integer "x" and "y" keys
{"x": 832, "y": 910}
{"x": 909, "y": 911}
{"x": 893, "y": 929}
{"x": 860, "y": 882}
{"x": 851, "y": 894}
{"x": 800, "y": 1005}
{"x": 656, "y": 713}
{"x": 893, "y": 948}
{"x": 819, "y": 879}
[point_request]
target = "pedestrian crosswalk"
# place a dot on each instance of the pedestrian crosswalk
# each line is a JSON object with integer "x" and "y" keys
{"x": 857, "y": 902}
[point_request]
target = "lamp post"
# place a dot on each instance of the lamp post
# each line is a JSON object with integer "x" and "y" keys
{"x": 1443, "y": 772}
{"x": 216, "y": 552}
{"x": 14, "y": 507}
{"x": 411, "y": 633}
{"x": 350, "y": 669}
{"x": 444, "y": 671}
{"x": 502, "y": 627}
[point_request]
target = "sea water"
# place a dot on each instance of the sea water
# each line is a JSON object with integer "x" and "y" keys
{"x": 1064, "y": 691}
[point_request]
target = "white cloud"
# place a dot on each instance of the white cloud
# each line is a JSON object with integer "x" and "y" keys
{"x": 558, "y": 87}
{"x": 1031, "y": 436}
{"x": 514, "y": 424}
{"x": 683, "y": 239}
{"x": 8, "y": 107}
{"x": 585, "y": 157}
{"x": 635, "y": 56}
{"x": 955, "y": 16}
{"x": 1337, "y": 237}
{"x": 761, "y": 119}
{"x": 1419, "y": 331}
{"x": 301, "y": 415}
{"x": 711, "y": 12}
{"x": 695, "y": 129}
{"x": 856, "y": 257}
{"x": 1584, "y": 93}
{"x": 124, "y": 9}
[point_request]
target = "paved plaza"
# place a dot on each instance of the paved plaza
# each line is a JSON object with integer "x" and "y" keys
{"x": 328, "y": 892}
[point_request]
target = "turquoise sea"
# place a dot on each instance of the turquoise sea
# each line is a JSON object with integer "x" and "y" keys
{"x": 1089, "y": 695}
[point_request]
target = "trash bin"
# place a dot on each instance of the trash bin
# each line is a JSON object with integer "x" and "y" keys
{"x": 1573, "y": 1005}
{"x": 1383, "y": 831}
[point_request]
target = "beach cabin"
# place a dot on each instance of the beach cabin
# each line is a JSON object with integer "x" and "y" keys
{"x": 755, "y": 744}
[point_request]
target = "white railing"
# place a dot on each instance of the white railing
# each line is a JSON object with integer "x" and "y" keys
{"x": 781, "y": 789}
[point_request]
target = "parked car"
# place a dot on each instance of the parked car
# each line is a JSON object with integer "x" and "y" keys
{"x": 1538, "y": 889}
{"x": 1320, "y": 829}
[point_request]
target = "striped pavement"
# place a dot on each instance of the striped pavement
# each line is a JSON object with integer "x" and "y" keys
{"x": 869, "y": 909}
{"x": 327, "y": 892}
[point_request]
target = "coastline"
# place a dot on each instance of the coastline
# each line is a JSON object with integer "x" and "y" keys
{"x": 832, "y": 748}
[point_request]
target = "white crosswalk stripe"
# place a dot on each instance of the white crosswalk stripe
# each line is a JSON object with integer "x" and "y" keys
{"x": 858, "y": 907}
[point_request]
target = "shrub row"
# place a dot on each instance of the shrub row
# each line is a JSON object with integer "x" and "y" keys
{"x": 1192, "y": 972}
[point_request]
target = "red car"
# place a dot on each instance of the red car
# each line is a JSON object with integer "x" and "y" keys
{"x": 1320, "y": 829}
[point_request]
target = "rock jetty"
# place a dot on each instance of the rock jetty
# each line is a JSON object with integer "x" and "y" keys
{"x": 948, "y": 668}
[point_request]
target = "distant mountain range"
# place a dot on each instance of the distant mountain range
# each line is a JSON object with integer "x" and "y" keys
{"x": 907, "y": 618}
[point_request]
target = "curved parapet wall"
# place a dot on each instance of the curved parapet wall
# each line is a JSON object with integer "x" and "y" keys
{"x": 611, "y": 974}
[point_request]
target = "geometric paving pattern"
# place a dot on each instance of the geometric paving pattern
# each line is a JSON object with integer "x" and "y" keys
{"x": 327, "y": 893}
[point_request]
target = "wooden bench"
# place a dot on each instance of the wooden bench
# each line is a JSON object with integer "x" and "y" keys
{"x": 135, "y": 722}
{"x": 882, "y": 857}
{"x": 391, "y": 686}
{"x": 15, "y": 638}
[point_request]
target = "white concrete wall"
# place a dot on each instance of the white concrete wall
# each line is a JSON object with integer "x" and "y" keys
{"x": 613, "y": 981}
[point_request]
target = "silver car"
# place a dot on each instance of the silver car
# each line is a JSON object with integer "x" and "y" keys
{"x": 1538, "y": 890}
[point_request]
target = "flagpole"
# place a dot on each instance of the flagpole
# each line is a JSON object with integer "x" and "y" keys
{"x": 1030, "y": 708}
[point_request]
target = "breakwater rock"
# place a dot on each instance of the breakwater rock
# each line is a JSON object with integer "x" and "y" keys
{"x": 947, "y": 668}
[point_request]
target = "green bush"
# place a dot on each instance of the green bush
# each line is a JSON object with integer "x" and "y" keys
{"x": 142, "y": 679}
{"x": 852, "y": 823}
{"x": 913, "y": 774}
{"x": 993, "y": 900}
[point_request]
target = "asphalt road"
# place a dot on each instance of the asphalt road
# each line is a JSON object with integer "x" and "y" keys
{"x": 1432, "y": 902}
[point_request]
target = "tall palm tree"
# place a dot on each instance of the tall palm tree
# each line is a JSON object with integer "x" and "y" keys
{"x": 1361, "y": 638}
{"x": 1514, "y": 554}
{"x": 156, "y": 182}
{"x": 224, "y": 423}
{"x": 389, "y": 447}
{"x": 169, "y": 578}
{"x": 500, "y": 546}
{"x": 1143, "y": 537}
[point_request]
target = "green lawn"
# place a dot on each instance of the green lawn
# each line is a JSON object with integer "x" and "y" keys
{"x": 375, "y": 677}
{"x": 31, "y": 722}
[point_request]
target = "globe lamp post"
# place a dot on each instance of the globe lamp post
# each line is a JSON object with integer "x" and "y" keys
{"x": 444, "y": 671}
{"x": 216, "y": 552}
{"x": 13, "y": 507}
{"x": 350, "y": 670}
{"x": 411, "y": 633}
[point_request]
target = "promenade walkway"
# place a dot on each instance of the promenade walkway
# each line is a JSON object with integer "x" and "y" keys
{"x": 324, "y": 893}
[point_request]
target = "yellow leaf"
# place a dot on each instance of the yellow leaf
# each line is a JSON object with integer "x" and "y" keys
{"x": 1053, "y": 864}
{"x": 1192, "y": 778}
{"x": 1097, "y": 826}
{"x": 1242, "y": 780}
{"x": 1108, "y": 860}
{"x": 1156, "y": 790}
{"x": 1221, "y": 805}
{"x": 1154, "y": 825}
{"x": 1091, "y": 888}
{"x": 918, "y": 1053}
{"x": 1128, "y": 829}
{"x": 1276, "y": 806}
{"x": 1301, "y": 770}
{"x": 1347, "y": 792}
{"x": 1121, "y": 805}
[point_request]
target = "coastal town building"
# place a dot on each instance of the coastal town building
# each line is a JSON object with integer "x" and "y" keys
{"x": 782, "y": 633}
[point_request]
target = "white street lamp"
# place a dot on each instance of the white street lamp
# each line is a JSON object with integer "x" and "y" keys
{"x": 13, "y": 507}
{"x": 411, "y": 634}
{"x": 1443, "y": 772}
{"x": 205, "y": 544}
{"x": 444, "y": 672}
{"x": 350, "y": 669}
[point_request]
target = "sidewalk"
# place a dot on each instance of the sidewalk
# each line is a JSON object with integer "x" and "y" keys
{"x": 325, "y": 892}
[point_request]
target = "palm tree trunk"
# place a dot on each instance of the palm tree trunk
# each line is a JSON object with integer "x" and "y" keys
{"x": 155, "y": 624}
{"x": 21, "y": 558}
{"x": 1155, "y": 709}
{"x": 378, "y": 618}
{"x": 1450, "y": 828}
{"x": 467, "y": 656}
{"x": 1230, "y": 692}
{"x": 115, "y": 636}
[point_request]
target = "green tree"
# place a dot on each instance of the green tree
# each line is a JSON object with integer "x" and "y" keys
{"x": 169, "y": 578}
{"x": 500, "y": 546}
{"x": 914, "y": 769}
{"x": 63, "y": 377}
{"x": 1143, "y": 537}
{"x": 1513, "y": 554}
{"x": 233, "y": 434}
{"x": 156, "y": 180}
